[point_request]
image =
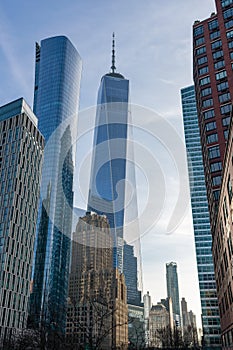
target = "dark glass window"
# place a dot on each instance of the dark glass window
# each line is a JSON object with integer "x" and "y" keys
{"x": 230, "y": 45}
{"x": 213, "y": 24}
{"x": 204, "y": 70}
{"x": 214, "y": 152}
{"x": 224, "y": 97}
{"x": 217, "y": 54}
{"x": 201, "y": 50}
{"x": 219, "y": 64}
{"x": 214, "y": 35}
{"x": 216, "y": 44}
{"x": 207, "y": 103}
{"x": 205, "y": 92}
{"x": 229, "y": 24}
{"x": 204, "y": 81}
{"x": 210, "y": 126}
{"x": 229, "y": 189}
{"x": 212, "y": 138}
{"x": 228, "y": 13}
{"x": 202, "y": 60}
{"x": 226, "y": 109}
{"x": 215, "y": 167}
{"x": 216, "y": 180}
{"x": 226, "y": 133}
{"x": 200, "y": 41}
{"x": 198, "y": 31}
{"x": 231, "y": 55}
{"x": 226, "y": 121}
{"x": 221, "y": 75}
{"x": 226, "y": 3}
{"x": 230, "y": 34}
{"x": 223, "y": 86}
{"x": 209, "y": 114}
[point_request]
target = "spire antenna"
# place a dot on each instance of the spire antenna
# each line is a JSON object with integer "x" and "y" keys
{"x": 113, "y": 68}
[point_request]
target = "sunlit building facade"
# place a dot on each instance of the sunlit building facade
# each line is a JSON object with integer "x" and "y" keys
{"x": 56, "y": 98}
{"x": 21, "y": 156}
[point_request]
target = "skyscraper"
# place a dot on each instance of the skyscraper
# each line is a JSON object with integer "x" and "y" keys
{"x": 21, "y": 152}
{"x": 130, "y": 272}
{"x": 108, "y": 171}
{"x": 173, "y": 290}
{"x": 56, "y": 97}
{"x": 212, "y": 69}
{"x": 201, "y": 221}
{"x": 96, "y": 287}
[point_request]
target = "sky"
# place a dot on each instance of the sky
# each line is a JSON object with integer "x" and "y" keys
{"x": 153, "y": 51}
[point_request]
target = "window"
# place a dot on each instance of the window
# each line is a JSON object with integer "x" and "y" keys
{"x": 202, "y": 60}
{"x": 226, "y": 121}
{"x": 198, "y": 31}
{"x": 226, "y": 3}
{"x": 213, "y": 24}
{"x": 230, "y": 45}
{"x": 229, "y": 189}
{"x": 228, "y": 13}
{"x": 210, "y": 126}
{"x": 207, "y": 103}
{"x": 225, "y": 133}
{"x": 216, "y": 180}
{"x": 219, "y": 64}
{"x": 214, "y": 35}
{"x": 216, "y": 44}
{"x": 200, "y": 41}
{"x": 212, "y": 138}
{"x": 209, "y": 114}
{"x": 230, "y": 34}
{"x": 229, "y": 24}
{"x": 204, "y": 81}
{"x": 231, "y": 55}
{"x": 206, "y": 92}
{"x": 226, "y": 109}
{"x": 221, "y": 75}
{"x": 224, "y": 98}
{"x": 204, "y": 70}
{"x": 223, "y": 86}
{"x": 216, "y": 195}
{"x": 214, "y": 152}
{"x": 217, "y": 54}
{"x": 201, "y": 50}
{"x": 215, "y": 167}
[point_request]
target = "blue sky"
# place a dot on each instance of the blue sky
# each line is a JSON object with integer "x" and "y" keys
{"x": 153, "y": 50}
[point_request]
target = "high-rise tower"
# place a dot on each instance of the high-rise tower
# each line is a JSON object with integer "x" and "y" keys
{"x": 21, "y": 151}
{"x": 56, "y": 97}
{"x": 212, "y": 69}
{"x": 201, "y": 222}
{"x": 173, "y": 290}
{"x": 108, "y": 172}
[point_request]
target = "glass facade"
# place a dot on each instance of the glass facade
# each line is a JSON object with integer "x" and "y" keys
{"x": 21, "y": 153}
{"x": 56, "y": 97}
{"x": 201, "y": 221}
{"x": 108, "y": 172}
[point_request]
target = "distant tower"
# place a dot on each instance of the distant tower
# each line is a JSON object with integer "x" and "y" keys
{"x": 147, "y": 308}
{"x": 173, "y": 290}
{"x": 21, "y": 151}
{"x": 184, "y": 310}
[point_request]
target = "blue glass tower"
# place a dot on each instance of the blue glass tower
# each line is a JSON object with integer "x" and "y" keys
{"x": 56, "y": 97}
{"x": 108, "y": 172}
{"x": 201, "y": 222}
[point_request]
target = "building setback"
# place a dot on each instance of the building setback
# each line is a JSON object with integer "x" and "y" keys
{"x": 56, "y": 97}
{"x": 21, "y": 154}
{"x": 201, "y": 221}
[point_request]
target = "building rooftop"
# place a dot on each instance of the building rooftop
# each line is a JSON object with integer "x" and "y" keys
{"x": 16, "y": 107}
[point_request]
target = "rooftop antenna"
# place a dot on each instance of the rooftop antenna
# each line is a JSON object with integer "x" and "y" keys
{"x": 113, "y": 68}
